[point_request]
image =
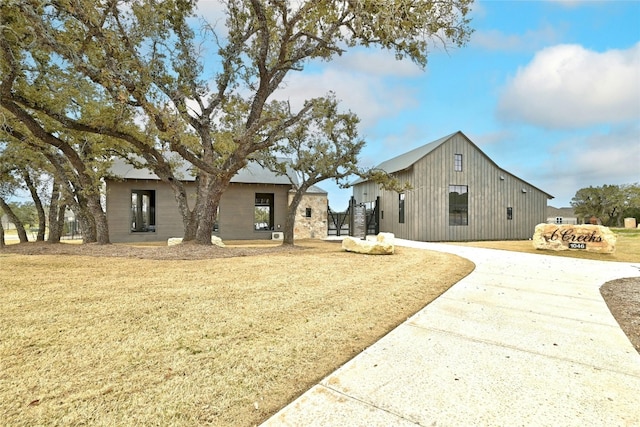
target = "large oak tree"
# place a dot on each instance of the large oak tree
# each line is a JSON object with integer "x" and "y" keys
{"x": 209, "y": 96}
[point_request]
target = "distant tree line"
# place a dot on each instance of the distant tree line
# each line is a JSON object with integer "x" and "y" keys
{"x": 609, "y": 203}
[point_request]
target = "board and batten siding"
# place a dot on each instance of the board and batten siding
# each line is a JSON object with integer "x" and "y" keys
{"x": 491, "y": 190}
{"x": 118, "y": 204}
{"x": 235, "y": 219}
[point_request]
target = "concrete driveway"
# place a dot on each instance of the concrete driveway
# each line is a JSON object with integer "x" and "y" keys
{"x": 523, "y": 340}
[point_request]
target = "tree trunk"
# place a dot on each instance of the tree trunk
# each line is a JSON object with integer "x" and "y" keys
{"x": 42, "y": 220}
{"x": 87, "y": 224}
{"x": 289, "y": 225}
{"x": 210, "y": 191}
{"x": 189, "y": 224}
{"x": 55, "y": 207}
{"x": 100, "y": 219}
{"x": 1, "y": 235}
{"x": 62, "y": 209}
{"x": 72, "y": 190}
{"x": 22, "y": 234}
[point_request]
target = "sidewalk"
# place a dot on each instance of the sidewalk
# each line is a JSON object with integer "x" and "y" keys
{"x": 523, "y": 340}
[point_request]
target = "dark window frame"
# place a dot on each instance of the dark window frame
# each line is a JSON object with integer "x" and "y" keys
{"x": 458, "y": 205}
{"x": 509, "y": 213}
{"x": 265, "y": 222}
{"x": 401, "y": 200}
{"x": 457, "y": 162}
{"x": 143, "y": 211}
{"x": 307, "y": 213}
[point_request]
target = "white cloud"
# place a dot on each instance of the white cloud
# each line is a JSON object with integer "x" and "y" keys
{"x": 569, "y": 3}
{"x": 568, "y": 86}
{"x": 613, "y": 156}
{"x": 377, "y": 62}
{"x": 495, "y": 40}
{"x": 367, "y": 95}
{"x": 592, "y": 159}
{"x": 497, "y": 137}
{"x": 212, "y": 10}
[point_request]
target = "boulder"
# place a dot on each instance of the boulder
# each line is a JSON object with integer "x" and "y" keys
{"x": 564, "y": 237}
{"x": 382, "y": 237}
{"x": 215, "y": 240}
{"x": 174, "y": 241}
{"x": 382, "y": 244}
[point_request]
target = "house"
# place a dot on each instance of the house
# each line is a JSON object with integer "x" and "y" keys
{"x": 561, "y": 216}
{"x": 142, "y": 208}
{"x": 457, "y": 194}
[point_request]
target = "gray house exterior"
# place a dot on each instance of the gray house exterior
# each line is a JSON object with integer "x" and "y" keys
{"x": 142, "y": 208}
{"x": 457, "y": 194}
{"x": 562, "y": 216}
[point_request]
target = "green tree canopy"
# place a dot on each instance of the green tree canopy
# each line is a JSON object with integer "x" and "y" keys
{"x": 145, "y": 60}
{"x": 324, "y": 145}
{"x": 609, "y": 202}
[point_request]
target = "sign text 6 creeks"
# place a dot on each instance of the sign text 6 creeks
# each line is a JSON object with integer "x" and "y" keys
{"x": 569, "y": 235}
{"x": 592, "y": 238}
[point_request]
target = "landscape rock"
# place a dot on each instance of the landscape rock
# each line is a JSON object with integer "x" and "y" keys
{"x": 215, "y": 240}
{"x": 382, "y": 245}
{"x": 382, "y": 237}
{"x": 173, "y": 241}
{"x": 563, "y": 237}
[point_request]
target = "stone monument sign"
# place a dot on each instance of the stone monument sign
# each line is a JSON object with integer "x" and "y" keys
{"x": 563, "y": 237}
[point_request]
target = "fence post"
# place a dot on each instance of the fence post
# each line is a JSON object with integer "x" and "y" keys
{"x": 376, "y": 213}
{"x": 352, "y": 204}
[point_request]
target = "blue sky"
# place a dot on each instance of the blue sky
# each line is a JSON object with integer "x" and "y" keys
{"x": 549, "y": 90}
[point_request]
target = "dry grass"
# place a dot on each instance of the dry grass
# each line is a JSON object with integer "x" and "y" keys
{"x": 627, "y": 247}
{"x": 111, "y": 341}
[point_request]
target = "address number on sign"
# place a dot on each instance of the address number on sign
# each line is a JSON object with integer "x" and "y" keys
{"x": 577, "y": 246}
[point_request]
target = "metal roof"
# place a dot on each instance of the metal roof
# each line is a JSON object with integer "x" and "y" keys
{"x": 253, "y": 173}
{"x": 314, "y": 189}
{"x": 406, "y": 160}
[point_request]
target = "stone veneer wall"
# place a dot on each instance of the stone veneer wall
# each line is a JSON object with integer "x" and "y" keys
{"x": 316, "y": 226}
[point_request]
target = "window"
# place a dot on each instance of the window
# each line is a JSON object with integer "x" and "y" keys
{"x": 307, "y": 213}
{"x": 401, "y": 208}
{"x": 558, "y": 220}
{"x": 458, "y": 205}
{"x": 263, "y": 213}
{"x": 143, "y": 211}
{"x": 457, "y": 162}
{"x": 509, "y": 213}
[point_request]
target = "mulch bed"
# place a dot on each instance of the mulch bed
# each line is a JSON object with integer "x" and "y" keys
{"x": 177, "y": 252}
{"x": 623, "y": 299}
